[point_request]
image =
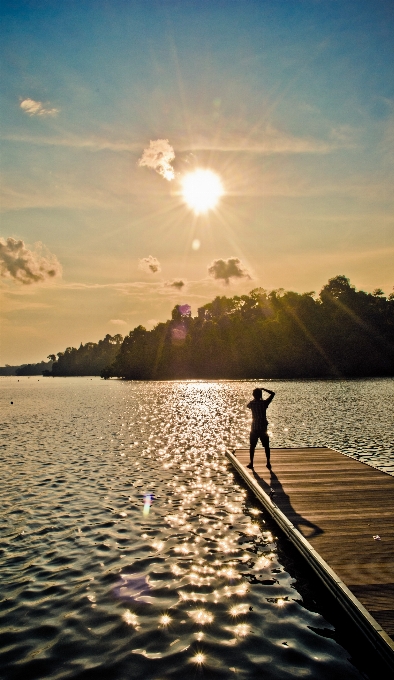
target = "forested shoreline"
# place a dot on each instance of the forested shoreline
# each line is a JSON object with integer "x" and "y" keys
{"x": 26, "y": 369}
{"x": 341, "y": 332}
{"x": 278, "y": 334}
{"x": 89, "y": 359}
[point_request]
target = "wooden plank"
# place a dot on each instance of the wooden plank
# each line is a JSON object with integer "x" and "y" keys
{"x": 331, "y": 506}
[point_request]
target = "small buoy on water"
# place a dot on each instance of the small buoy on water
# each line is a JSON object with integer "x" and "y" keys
{"x": 11, "y": 402}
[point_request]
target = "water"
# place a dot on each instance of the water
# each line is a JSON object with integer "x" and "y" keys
{"x": 130, "y": 550}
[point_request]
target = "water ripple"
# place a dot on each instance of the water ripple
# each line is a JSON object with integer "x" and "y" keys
{"x": 130, "y": 550}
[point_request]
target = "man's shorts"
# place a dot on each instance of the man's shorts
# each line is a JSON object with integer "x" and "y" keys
{"x": 255, "y": 435}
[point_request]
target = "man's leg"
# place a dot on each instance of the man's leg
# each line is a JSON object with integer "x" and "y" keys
{"x": 265, "y": 440}
{"x": 253, "y": 441}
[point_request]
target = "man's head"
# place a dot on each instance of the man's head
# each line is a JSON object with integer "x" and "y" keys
{"x": 258, "y": 393}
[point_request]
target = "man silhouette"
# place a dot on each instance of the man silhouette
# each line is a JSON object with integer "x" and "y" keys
{"x": 259, "y": 423}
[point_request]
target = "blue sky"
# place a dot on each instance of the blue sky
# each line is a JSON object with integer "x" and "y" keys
{"x": 291, "y": 103}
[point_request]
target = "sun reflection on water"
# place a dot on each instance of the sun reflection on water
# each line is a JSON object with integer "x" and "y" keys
{"x": 208, "y": 557}
{"x": 195, "y": 579}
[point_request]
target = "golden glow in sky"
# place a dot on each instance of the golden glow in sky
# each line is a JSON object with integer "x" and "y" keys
{"x": 179, "y": 164}
{"x": 202, "y": 190}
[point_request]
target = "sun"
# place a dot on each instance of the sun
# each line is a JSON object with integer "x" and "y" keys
{"x": 202, "y": 190}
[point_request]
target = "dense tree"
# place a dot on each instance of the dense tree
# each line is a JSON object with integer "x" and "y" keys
{"x": 27, "y": 369}
{"x": 34, "y": 369}
{"x": 341, "y": 332}
{"x": 89, "y": 359}
{"x": 8, "y": 370}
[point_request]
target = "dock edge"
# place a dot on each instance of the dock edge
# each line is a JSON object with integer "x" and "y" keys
{"x": 371, "y": 629}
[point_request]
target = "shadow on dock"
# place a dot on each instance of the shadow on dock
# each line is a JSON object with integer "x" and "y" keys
{"x": 352, "y": 549}
{"x": 282, "y": 500}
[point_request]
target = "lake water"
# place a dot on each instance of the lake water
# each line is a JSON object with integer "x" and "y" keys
{"x": 130, "y": 550}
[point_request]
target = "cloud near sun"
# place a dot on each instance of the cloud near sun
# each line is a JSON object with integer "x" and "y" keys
{"x": 159, "y": 156}
{"x": 150, "y": 265}
{"x": 227, "y": 269}
{"x": 201, "y": 189}
{"x": 178, "y": 284}
{"x": 27, "y": 266}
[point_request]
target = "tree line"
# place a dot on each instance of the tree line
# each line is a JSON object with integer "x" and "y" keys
{"x": 341, "y": 332}
{"x": 89, "y": 359}
{"x": 26, "y": 369}
{"x": 279, "y": 334}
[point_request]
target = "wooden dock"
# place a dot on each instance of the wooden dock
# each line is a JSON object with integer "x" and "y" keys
{"x": 339, "y": 513}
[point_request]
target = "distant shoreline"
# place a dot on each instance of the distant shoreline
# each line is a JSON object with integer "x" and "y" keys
{"x": 221, "y": 379}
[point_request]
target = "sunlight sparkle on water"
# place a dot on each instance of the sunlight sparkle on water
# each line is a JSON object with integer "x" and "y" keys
{"x": 158, "y": 545}
{"x": 198, "y": 658}
{"x": 241, "y": 630}
{"x": 215, "y": 597}
{"x": 242, "y": 589}
{"x": 238, "y": 609}
{"x": 130, "y": 618}
{"x": 201, "y": 616}
{"x": 262, "y": 563}
{"x": 165, "y": 620}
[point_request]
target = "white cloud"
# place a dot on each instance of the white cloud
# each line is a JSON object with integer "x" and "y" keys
{"x": 33, "y": 108}
{"x": 159, "y": 157}
{"x": 95, "y": 143}
{"x": 118, "y": 322}
{"x": 227, "y": 269}
{"x": 27, "y": 266}
{"x": 265, "y": 141}
{"x": 150, "y": 264}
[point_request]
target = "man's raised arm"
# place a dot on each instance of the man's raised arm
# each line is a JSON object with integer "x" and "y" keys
{"x": 270, "y": 398}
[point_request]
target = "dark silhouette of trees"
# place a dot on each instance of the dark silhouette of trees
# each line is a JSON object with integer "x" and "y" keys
{"x": 89, "y": 359}
{"x": 34, "y": 369}
{"x": 340, "y": 333}
{"x": 27, "y": 369}
{"x": 8, "y": 370}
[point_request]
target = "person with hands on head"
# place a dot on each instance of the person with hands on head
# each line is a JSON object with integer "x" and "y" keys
{"x": 259, "y": 406}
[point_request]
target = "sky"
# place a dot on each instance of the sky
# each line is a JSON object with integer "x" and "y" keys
{"x": 289, "y": 103}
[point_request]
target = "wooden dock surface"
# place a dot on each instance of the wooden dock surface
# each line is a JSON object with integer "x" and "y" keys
{"x": 340, "y": 506}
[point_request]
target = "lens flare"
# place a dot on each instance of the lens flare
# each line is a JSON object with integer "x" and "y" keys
{"x": 202, "y": 190}
{"x": 148, "y": 500}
